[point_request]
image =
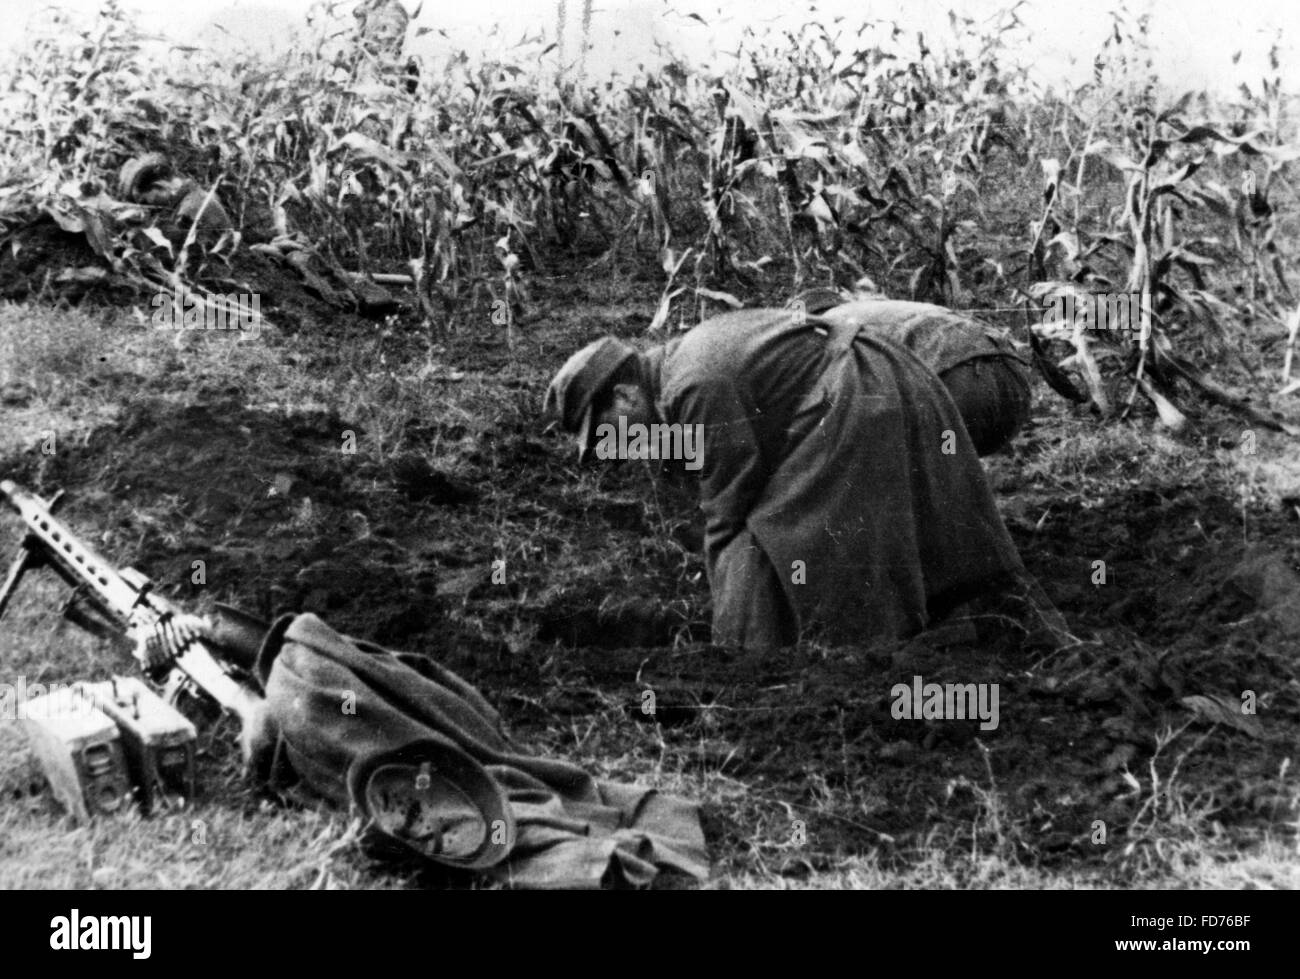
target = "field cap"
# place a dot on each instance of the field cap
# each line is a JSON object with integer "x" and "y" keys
{"x": 575, "y": 386}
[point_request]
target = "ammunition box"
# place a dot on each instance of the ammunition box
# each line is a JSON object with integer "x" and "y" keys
{"x": 157, "y": 739}
{"x": 80, "y": 750}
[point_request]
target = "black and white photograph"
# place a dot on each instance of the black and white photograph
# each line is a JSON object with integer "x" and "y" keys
{"x": 663, "y": 445}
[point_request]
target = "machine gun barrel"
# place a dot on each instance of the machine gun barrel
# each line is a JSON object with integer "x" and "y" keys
{"x": 125, "y": 596}
{"x": 76, "y": 562}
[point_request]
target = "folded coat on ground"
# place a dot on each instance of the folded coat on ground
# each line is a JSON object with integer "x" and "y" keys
{"x": 570, "y": 830}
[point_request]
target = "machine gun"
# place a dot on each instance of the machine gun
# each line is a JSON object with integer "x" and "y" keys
{"x": 78, "y": 755}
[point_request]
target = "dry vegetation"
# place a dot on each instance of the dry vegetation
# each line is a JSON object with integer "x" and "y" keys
{"x": 534, "y": 210}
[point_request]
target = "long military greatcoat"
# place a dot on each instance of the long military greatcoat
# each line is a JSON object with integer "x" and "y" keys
{"x": 841, "y": 493}
{"x": 987, "y": 379}
{"x": 941, "y": 338}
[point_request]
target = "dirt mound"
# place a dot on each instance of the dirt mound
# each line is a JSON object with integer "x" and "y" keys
{"x": 40, "y": 260}
{"x": 259, "y": 509}
{"x": 1268, "y": 580}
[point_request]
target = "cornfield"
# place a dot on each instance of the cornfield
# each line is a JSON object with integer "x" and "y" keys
{"x": 941, "y": 172}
